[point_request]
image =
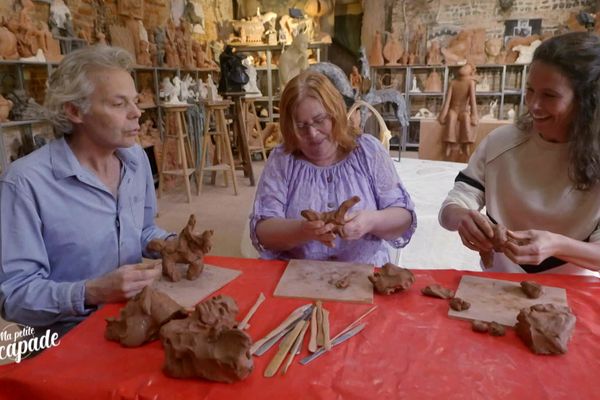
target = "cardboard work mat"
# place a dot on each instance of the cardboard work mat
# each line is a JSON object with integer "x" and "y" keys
{"x": 310, "y": 279}
{"x": 189, "y": 293}
{"x": 500, "y": 301}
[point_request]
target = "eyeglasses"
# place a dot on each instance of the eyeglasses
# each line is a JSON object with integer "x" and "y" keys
{"x": 319, "y": 123}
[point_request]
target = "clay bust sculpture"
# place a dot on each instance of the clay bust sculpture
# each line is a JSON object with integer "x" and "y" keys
{"x": 189, "y": 247}
{"x": 206, "y": 344}
{"x": 391, "y": 279}
{"x": 493, "y": 48}
{"x": 393, "y": 50}
{"x": 434, "y": 55}
{"x": 337, "y": 217}
{"x": 459, "y": 113}
{"x": 141, "y": 318}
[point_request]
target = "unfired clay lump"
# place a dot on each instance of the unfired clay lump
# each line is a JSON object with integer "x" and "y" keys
{"x": 391, "y": 279}
{"x": 532, "y": 289}
{"x": 439, "y": 291}
{"x": 546, "y": 328}
{"x": 458, "y": 304}
{"x": 206, "y": 344}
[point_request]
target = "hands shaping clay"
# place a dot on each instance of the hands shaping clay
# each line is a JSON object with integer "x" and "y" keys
{"x": 188, "y": 247}
{"x": 532, "y": 290}
{"x": 499, "y": 240}
{"x": 142, "y": 317}
{"x": 206, "y": 344}
{"x": 337, "y": 217}
{"x": 439, "y": 291}
{"x": 391, "y": 279}
{"x": 546, "y": 328}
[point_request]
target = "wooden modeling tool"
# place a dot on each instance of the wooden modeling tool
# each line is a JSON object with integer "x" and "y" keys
{"x": 285, "y": 346}
{"x": 355, "y": 323}
{"x": 320, "y": 339}
{"x": 296, "y": 314}
{"x": 244, "y": 324}
{"x": 312, "y": 344}
{"x": 296, "y": 347}
{"x": 325, "y": 325}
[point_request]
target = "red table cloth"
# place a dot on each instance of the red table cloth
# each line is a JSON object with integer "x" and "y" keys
{"x": 409, "y": 349}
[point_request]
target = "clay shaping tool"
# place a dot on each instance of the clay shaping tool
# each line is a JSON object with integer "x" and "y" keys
{"x": 285, "y": 346}
{"x": 296, "y": 347}
{"x": 244, "y": 324}
{"x": 334, "y": 343}
{"x": 320, "y": 336}
{"x": 353, "y": 324}
{"x": 312, "y": 344}
{"x": 325, "y": 325}
{"x": 264, "y": 344}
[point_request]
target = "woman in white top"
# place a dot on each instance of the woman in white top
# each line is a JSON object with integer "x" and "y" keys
{"x": 540, "y": 178}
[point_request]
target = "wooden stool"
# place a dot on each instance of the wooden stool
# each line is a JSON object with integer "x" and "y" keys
{"x": 185, "y": 160}
{"x": 241, "y": 137}
{"x": 222, "y": 157}
{"x": 254, "y": 123}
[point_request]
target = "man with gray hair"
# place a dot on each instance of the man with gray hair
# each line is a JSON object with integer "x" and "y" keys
{"x": 76, "y": 215}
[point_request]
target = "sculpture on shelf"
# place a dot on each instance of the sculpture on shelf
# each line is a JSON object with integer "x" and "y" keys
{"x": 233, "y": 72}
{"x": 170, "y": 91}
{"x": 511, "y": 53}
{"x": 59, "y": 13}
{"x": 143, "y": 56}
{"x": 491, "y": 115}
{"x": 251, "y": 88}
{"x": 5, "y": 107}
{"x": 483, "y": 85}
{"x": 424, "y": 113}
{"x": 375, "y": 54}
{"x": 213, "y": 93}
{"x": 189, "y": 248}
{"x": 317, "y": 9}
{"x": 434, "y": 55}
{"x": 194, "y": 13}
{"x": 293, "y": 60}
{"x": 146, "y": 98}
{"x": 8, "y": 45}
{"x": 459, "y": 112}
{"x": 186, "y": 89}
{"x": 458, "y": 49}
{"x": 393, "y": 50}
{"x": 415, "y": 87}
{"x": 493, "y": 48}
{"x": 526, "y": 52}
{"x": 433, "y": 82}
{"x": 511, "y": 113}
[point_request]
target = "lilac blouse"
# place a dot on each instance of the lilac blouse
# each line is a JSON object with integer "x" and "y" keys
{"x": 289, "y": 185}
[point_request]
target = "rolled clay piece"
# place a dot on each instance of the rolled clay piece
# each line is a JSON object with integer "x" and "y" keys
{"x": 337, "y": 217}
{"x": 141, "y": 318}
{"x": 498, "y": 242}
{"x": 458, "y": 304}
{"x": 391, "y": 279}
{"x": 546, "y": 328}
{"x": 439, "y": 291}
{"x": 206, "y": 344}
{"x": 496, "y": 329}
{"x": 480, "y": 326}
{"x": 532, "y": 289}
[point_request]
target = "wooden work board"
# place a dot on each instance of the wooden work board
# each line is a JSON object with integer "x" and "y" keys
{"x": 500, "y": 301}
{"x": 189, "y": 293}
{"x": 315, "y": 280}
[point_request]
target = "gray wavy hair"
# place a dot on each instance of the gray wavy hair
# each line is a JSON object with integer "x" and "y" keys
{"x": 70, "y": 82}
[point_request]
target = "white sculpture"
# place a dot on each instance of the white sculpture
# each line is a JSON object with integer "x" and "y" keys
{"x": 201, "y": 90}
{"x": 415, "y": 86}
{"x": 170, "y": 91}
{"x": 59, "y": 12}
{"x": 491, "y": 115}
{"x": 251, "y": 87}
{"x": 526, "y": 52}
{"x": 213, "y": 94}
{"x": 293, "y": 60}
{"x": 424, "y": 113}
{"x": 511, "y": 113}
{"x": 186, "y": 91}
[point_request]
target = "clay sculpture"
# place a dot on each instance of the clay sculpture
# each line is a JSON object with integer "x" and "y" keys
{"x": 188, "y": 247}
{"x": 391, "y": 279}
{"x": 336, "y": 217}
{"x": 499, "y": 240}
{"x": 532, "y": 290}
{"x": 141, "y": 318}
{"x": 206, "y": 344}
{"x": 546, "y": 328}
{"x": 439, "y": 291}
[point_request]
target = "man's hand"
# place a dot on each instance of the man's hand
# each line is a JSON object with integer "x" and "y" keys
{"x": 121, "y": 284}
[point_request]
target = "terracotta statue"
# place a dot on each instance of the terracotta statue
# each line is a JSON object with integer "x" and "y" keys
{"x": 5, "y": 107}
{"x": 493, "y": 48}
{"x": 189, "y": 247}
{"x": 356, "y": 79}
{"x": 8, "y": 44}
{"x": 393, "y": 50}
{"x": 433, "y": 82}
{"x": 207, "y": 345}
{"x": 143, "y": 56}
{"x": 458, "y": 48}
{"x": 459, "y": 113}
{"x": 375, "y": 54}
{"x": 336, "y": 217}
{"x": 142, "y": 317}
{"x": 391, "y": 279}
{"x": 434, "y": 55}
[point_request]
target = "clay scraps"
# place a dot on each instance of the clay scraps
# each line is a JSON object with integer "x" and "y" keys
{"x": 546, "y": 328}
{"x": 141, "y": 318}
{"x": 493, "y": 328}
{"x": 391, "y": 279}
{"x": 189, "y": 247}
{"x": 206, "y": 344}
{"x": 458, "y": 304}
{"x": 337, "y": 217}
{"x": 438, "y": 291}
{"x": 532, "y": 290}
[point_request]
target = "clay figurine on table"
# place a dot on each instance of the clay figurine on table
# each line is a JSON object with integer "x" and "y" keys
{"x": 206, "y": 344}
{"x": 189, "y": 247}
{"x": 459, "y": 113}
{"x": 337, "y": 217}
{"x": 141, "y": 318}
{"x": 391, "y": 279}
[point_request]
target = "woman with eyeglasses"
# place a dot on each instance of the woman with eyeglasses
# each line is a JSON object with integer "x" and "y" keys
{"x": 320, "y": 164}
{"x": 539, "y": 179}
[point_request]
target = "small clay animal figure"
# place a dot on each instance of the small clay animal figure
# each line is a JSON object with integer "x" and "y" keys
{"x": 532, "y": 290}
{"x": 336, "y": 217}
{"x": 439, "y": 291}
{"x": 391, "y": 279}
{"x": 189, "y": 248}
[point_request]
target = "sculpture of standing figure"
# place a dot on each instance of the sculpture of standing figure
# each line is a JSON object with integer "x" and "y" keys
{"x": 375, "y": 54}
{"x": 459, "y": 113}
{"x": 251, "y": 88}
